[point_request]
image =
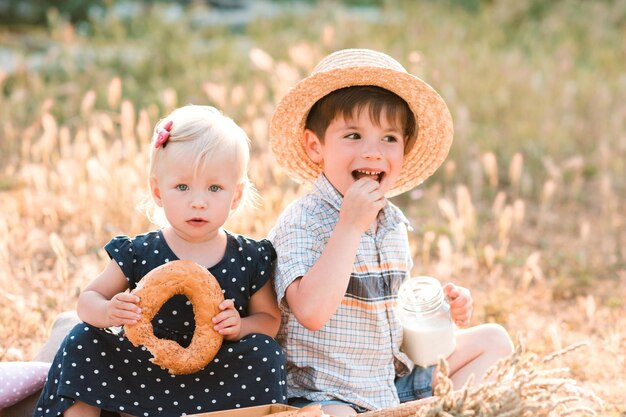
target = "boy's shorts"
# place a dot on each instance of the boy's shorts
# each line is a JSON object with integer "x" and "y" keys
{"x": 413, "y": 386}
{"x": 416, "y": 385}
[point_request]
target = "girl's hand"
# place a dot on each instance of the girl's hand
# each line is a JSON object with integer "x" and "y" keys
{"x": 228, "y": 321}
{"x": 123, "y": 309}
{"x": 461, "y": 304}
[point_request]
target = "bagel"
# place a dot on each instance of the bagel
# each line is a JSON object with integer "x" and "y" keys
{"x": 205, "y": 294}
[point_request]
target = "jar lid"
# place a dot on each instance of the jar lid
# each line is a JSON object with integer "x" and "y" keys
{"x": 421, "y": 294}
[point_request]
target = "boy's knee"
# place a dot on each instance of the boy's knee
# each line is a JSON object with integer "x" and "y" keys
{"x": 497, "y": 339}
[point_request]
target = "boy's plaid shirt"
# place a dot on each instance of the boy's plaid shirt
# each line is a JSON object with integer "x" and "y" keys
{"x": 355, "y": 357}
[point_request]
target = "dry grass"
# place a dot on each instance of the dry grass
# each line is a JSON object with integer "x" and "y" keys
{"x": 523, "y": 385}
{"x": 527, "y": 212}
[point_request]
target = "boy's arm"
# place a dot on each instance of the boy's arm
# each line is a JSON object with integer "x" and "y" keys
{"x": 314, "y": 297}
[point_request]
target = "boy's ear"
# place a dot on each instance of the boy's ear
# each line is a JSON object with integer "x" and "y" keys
{"x": 156, "y": 192}
{"x": 313, "y": 146}
{"x": 238, "y": 196}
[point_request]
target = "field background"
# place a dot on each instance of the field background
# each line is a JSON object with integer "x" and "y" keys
{"x": 528, "y": 211}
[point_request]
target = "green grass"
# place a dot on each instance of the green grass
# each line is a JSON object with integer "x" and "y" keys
{"x": 540, "y": 79}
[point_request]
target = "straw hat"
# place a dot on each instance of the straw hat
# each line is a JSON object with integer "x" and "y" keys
{"x": 351, "y": 67}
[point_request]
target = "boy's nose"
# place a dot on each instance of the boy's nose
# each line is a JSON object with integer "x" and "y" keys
{"x": 371, "y": 151}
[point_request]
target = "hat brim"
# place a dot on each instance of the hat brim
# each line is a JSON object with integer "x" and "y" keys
{"x": 434, "y": 122}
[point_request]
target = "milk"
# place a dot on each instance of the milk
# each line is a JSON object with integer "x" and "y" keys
{"x": 425, "y": 317}
{"x": 423, "y": 343}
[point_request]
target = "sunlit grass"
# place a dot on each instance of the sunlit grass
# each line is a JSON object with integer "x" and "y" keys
{"x": 528, "y": 211}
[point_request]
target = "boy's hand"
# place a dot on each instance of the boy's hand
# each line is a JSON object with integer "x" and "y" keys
{"x": 123, "y": 309}
{"x": 228, "y": 321}
{"x": 461, "y": 304}
{"x": 361, "y": 204}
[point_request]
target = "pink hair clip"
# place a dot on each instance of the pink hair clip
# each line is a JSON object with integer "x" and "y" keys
{"x": 163, "y": 134}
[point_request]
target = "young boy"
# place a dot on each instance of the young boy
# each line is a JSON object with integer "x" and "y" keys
{"x": 359, "y": 129}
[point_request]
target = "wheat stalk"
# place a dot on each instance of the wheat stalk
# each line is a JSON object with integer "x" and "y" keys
{"x": 521, "y": 385}
{"x": 114, "y": 93}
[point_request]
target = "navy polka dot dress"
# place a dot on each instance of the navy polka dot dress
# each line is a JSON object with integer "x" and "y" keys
{"x": 102, "y": 368}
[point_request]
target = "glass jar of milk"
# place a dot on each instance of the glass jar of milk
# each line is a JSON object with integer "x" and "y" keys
{"x": 424, "y": 313}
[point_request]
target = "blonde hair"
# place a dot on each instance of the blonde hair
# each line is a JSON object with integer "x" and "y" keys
{"x": 201, "y": 133}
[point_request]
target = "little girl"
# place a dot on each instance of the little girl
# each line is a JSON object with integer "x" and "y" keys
{"x": 198, "y": 177}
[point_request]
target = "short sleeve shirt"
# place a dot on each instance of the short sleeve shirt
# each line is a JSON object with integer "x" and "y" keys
{"x": 247, "y": 265}
{"x": 356, "y": 356}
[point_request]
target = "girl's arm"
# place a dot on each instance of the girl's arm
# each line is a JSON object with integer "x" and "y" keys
{"x": 263, "y": 316}
{"x": 104, "y": 302}
{"x": 263, "y": 313}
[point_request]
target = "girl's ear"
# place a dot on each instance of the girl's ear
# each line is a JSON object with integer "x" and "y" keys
{"x": 156, "y": 192}
{"x": 238, "y": 196}
{"x": 313, "y": 146}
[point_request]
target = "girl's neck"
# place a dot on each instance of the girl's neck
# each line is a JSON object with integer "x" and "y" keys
{"x": 206, "y": 253}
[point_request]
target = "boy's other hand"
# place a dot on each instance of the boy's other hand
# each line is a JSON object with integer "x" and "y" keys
{"x": 461, "y": 304}
{"x": 361, "y": 204}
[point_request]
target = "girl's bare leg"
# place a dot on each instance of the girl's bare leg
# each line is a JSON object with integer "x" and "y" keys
{"x": 81, "y": 409}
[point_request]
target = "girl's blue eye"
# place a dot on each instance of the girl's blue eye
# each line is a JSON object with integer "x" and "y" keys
{"x": 182, "y": 187}
{"x": 215, "y": 188}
